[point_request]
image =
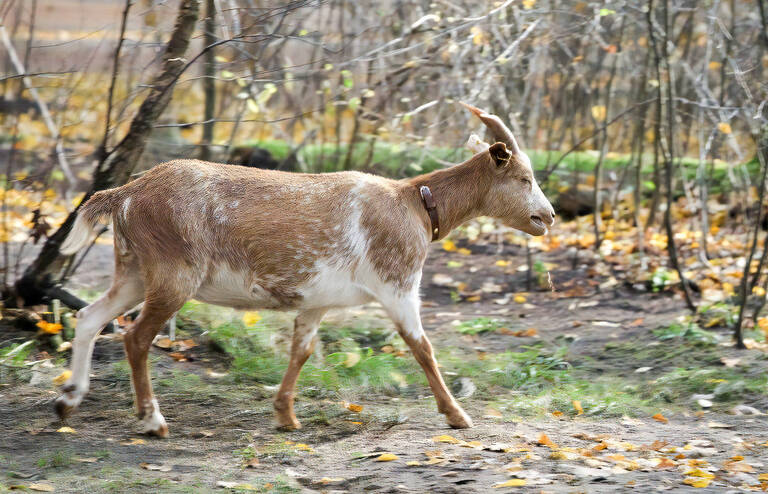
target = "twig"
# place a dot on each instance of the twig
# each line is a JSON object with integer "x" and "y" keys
{"x": 44, "y": 112}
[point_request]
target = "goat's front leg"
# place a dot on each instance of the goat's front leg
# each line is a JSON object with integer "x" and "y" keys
{"x": 302, "y": 346}
{"x": 405, "y": 314}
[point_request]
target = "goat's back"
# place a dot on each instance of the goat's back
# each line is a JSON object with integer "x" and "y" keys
{"x": 279, "y": 226}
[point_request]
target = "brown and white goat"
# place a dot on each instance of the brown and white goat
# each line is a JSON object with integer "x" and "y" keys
{"x": 262, "y": 239}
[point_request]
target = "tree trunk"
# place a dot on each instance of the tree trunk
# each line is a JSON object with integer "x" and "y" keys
{"x": 116, "y": 167}
{"x": 209, "y": 81}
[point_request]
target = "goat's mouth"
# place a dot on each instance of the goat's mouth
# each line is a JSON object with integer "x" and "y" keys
{"x": 538, "y": 225}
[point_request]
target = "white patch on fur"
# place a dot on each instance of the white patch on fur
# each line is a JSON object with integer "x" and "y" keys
{"x": 346, "y": 277}
{"x": 90, "y": 321}
{"x": 126, "y": 205}
{"x": 403, "y": 308}
{"x": 153, "y": 421}
{"x": 71, "y": 399}
{"x": 307, "y": 337}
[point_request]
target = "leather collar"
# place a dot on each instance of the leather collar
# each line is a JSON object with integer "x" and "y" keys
{"x": 429, "y": 204}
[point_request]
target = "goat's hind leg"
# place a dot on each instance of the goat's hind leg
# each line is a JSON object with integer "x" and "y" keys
{"x": 125, "y": 293}
{"x": 159, "y": 306}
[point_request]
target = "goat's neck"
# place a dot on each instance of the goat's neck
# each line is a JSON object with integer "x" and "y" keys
{"x": 459, "y": 193}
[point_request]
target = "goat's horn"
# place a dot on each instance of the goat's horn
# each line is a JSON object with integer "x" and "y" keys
{"x": 500, "y": 131}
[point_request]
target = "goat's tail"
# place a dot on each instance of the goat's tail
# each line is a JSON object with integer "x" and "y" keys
{"x": 99, "y": 206}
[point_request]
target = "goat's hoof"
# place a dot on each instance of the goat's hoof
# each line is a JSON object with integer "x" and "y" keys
{"x": 288, "y": 424}
{"x": 65, "y": 405}
{"x": 160, "y": 432}
{"x": 459, "y": 420}
{"x": 154, "y": 424}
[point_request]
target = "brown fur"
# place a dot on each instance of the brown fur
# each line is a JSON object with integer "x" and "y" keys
{"x": 250, "y": 238}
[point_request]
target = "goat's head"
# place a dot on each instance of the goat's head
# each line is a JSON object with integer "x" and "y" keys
{"x": 514, "y": 195}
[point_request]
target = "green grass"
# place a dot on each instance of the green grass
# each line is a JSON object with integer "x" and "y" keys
{"x": 14, "y": 356}
{"x": 57, "y": 459}
{"x": 392, "y": 159}
{"x": 479, "y": 325}
{"x": 402, "y": 160}
{"x": 366, "y": 360}
{"x": 688, "y": 331}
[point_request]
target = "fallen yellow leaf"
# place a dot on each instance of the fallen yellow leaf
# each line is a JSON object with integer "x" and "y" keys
{"x": 519, "y": 299}
{"x": 353, "y": 408}
{"x": 660, "y": 418}
{"x": 696, "y": 482}
{"x": 133, "y": 442}
{"x": 445, "y": 439}
{"x": 387, "y": 457}
{"x": 546, "y": 441}
{"x": 511, "y": 483}
{"x": 464, "y": 251}
{"x": 698, "y": 472}
{"x": 41, "y": 487}
{"x": 413, "y": 463}
{"x": 577, "y": 406}
{"x": 502, "y": 263}
{"x": 449, "y": 246}
{"x": 763, "y": 476}
{"x": 62, "y": 378}
{"x": 66, "y": 429}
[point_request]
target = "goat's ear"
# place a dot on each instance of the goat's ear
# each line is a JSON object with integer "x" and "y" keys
{"x": 500, "y": 154}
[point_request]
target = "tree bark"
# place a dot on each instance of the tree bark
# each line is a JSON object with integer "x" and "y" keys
{"x": 115, "y": 168}
{"x": 209, "y": 81}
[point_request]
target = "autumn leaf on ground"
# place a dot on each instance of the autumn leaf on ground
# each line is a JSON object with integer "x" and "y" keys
{"x": 511, "y": 483}
{"x": 134, "y": 441}
{"x": 66, "y": 430}
{"x": 546, "y": 441}
{"x": 445, "y": 439}
{"x": 696, "y": 482}
{"x": 577, "y": 406}
{"x": 353, "y": 407}
{"x": 62, "y": 378}
{"x": 387, "y": 457}
{"x": 660, "y": 418}
{"x": 41, "y": 487}
{"x": 164, "y": 343}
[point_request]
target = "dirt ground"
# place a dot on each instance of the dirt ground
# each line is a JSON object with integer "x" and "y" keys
{"x": 215, "y": 432}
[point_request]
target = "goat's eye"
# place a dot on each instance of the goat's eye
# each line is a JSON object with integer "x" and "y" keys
{"x": 526, "y": 180}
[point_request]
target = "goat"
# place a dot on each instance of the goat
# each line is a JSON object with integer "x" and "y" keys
{"x": 264, "y": 239}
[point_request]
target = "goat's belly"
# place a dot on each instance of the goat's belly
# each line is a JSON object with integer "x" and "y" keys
{"x": 239, "y": 290}
{"x": 327, "y": 288}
